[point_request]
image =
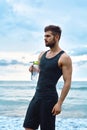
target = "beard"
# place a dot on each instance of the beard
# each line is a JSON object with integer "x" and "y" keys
{"x": 50, "y": 44}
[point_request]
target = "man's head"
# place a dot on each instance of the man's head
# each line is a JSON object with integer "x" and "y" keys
{"x": 56, "y": 30}
{"x": 52, "y": 35}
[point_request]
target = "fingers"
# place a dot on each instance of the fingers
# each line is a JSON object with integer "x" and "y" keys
{"x": 55, "y": 112}
{"x": 31, "y": 68}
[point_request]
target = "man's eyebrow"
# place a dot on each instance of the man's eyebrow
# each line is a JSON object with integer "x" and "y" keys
{"x": 47, "y": 35}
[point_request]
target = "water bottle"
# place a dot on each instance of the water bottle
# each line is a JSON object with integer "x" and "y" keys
{"x": 34, "y": 73}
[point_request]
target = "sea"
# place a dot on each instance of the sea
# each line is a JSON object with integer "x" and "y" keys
{"x": 15, "y": 97}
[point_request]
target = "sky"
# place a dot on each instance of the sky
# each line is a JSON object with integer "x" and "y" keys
{"x": 22, "y": 25}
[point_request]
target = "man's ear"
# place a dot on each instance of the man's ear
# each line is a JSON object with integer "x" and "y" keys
{"x": 57, "y": 37}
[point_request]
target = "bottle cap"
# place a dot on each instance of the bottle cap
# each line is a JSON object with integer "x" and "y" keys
{"x": 35, "y": 62}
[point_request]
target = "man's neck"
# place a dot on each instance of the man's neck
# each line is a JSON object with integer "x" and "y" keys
{"x": 55, "y": 49}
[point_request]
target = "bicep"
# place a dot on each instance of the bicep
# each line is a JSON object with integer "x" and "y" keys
{"x": 67, "y": 69}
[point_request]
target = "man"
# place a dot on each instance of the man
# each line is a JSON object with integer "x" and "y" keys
{"x": 53, "y": 63}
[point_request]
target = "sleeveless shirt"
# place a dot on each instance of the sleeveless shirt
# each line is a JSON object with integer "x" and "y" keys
{"x": 49, "y": 73}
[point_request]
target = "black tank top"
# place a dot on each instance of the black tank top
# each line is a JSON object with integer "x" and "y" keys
{"x": 50, "y": 72}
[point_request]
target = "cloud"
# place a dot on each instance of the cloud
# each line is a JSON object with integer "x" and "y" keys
{"x": 23, "y": 22}
{"x": 21, "y": 30}
{"x": 3, "y": 62}
{"x": 16, "y": 72}
{"x": 80, "y": 63}
{"x": 15, "y": 66}
{"x": 12, "y": 62}
{"x": 11, "y": 58}
{"x": 25, "y": 8}
{"x": 80, "y": 51}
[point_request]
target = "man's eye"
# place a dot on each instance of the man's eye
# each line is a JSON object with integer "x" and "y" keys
{"x": 47, "y": 36}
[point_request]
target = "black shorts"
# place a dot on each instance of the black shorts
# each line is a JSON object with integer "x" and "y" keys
{"x": 39, "y": 112}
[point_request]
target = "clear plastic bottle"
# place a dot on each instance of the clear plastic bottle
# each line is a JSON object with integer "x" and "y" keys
{"x": 34, "y": 73}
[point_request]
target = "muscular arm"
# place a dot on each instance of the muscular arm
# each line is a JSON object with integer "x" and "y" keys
{"x": 32, "y": 68}
{"x": 66, "y": 65}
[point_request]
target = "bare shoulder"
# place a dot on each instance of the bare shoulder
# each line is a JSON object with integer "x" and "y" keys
{"x": 40, "y": 55}
{"x": 65, "y": 59}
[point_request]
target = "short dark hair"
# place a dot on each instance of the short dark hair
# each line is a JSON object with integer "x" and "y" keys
{"x": 55, "y": 30}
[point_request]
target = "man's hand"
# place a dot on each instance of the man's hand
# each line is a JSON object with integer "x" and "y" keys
{"x": 31, "y": 68}
{"x": 34, "y": 69}
{"x": 56, "y": 109}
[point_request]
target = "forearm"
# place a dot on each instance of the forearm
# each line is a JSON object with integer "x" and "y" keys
{"x": 64, "y": 92}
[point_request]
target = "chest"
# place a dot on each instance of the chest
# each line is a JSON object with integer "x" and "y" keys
{"x": 49, "y": 64}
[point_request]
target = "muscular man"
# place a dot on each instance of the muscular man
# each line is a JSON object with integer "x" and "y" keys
{"x": 53, "y": 64}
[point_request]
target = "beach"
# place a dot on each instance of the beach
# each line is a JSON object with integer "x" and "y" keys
{"x": 16, "y": 95}
{"x": 15, "y": 123}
